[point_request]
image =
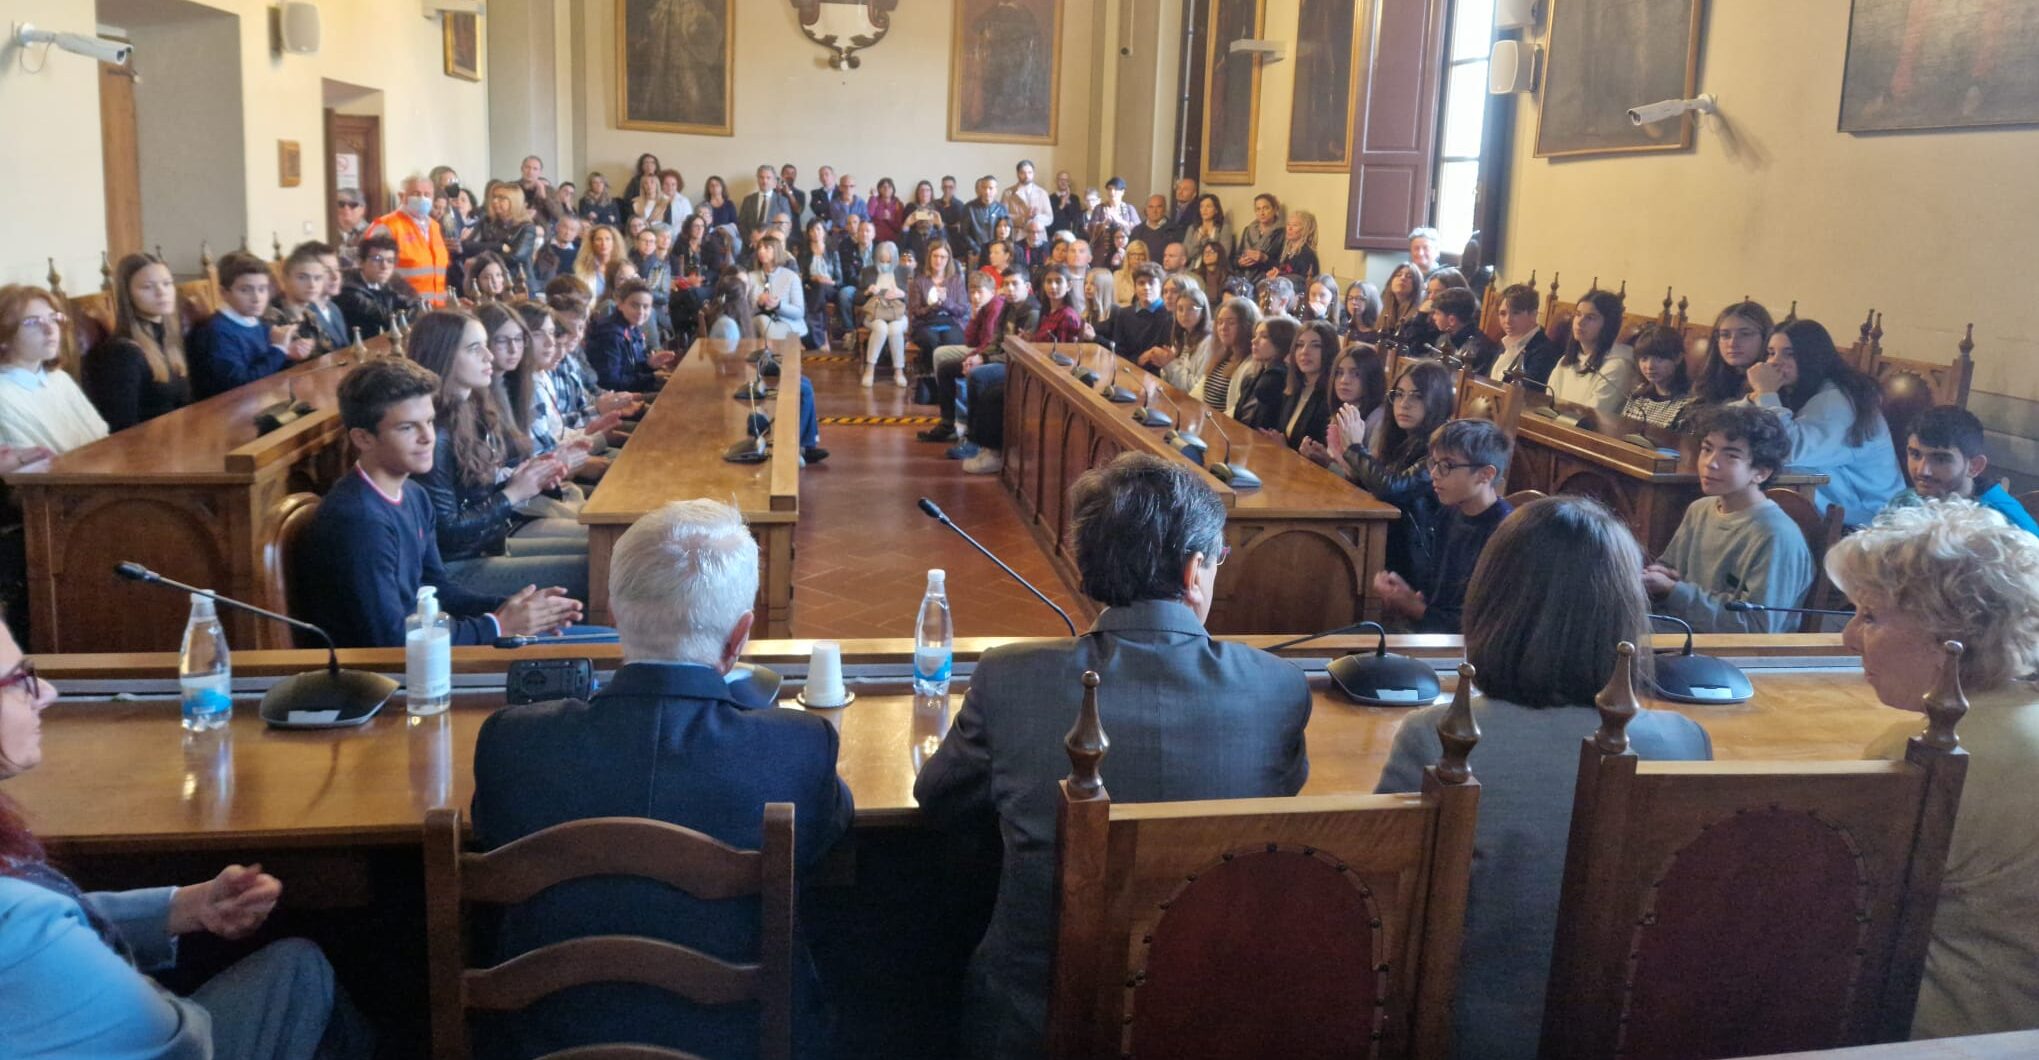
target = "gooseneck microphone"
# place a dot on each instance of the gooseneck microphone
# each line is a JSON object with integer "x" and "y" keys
{"x": 1235, "y": 475}
{"x": 935, "y": 512}
{"x": 1685, "y": 677}
{"x": 1744, "y": 605}
{"x": 331, "y": 698}
{"x": 1381, "y": 679}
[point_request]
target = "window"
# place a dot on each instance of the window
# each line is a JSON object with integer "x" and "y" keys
{"x": 1462, "y": 129}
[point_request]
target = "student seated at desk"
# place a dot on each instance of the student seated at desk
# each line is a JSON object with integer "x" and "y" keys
{"x": 238, "y": 345}
{"x": 672, "y": 738}
{"x": 372, "y": 296}
{"x": 41, "y": 406}
{"x": 1921, "y": 576}
{"x": 1187, "y": 355}
{"x": 617, "y": 346}
{"x": 1306, "y": 394}
{"x": 296, "y": 305}
{"x": 1396, "y": 469}
{"x": 1596, "y": 371}
{"x": 138, "y": 371}
{"x": 1734, "y": 544}
{"x": 474, "y": 486}
{"x": 1191, "y": 717}
{"x": 1456, "y": 315}
{"x": 1833, "y": 415}
{"x": 1257, "y": 392}
{"x": 1466, "y": 459}
{"x": 1552, "y": 595}
{"x": 1664, "y": 398}
{"x": 1526, "y": 352}
{"x": 373, "y": 542}
{"x": 1945, "y": 457}
{"x": 72, "y": 963}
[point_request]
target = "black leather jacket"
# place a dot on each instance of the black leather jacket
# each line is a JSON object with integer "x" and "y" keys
{"x": 514, "y": 241}
{"x": 471, "y": 522}
{"x": 1411, "y": 549}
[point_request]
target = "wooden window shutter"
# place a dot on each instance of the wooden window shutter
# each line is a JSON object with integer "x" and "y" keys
{"x": 1395, "y": 124}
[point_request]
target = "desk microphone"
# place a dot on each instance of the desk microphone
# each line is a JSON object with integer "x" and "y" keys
{"x": 1744, "y": 605}
{"x": 1056, "y": 355}
{"x": 1081, "y": 372}
{"x": 1117, "y": 394}
{"x": 1684, "y": 677}
{"x": 1381, "y": 679}
{"x": 1147, "y": 415}
{"x": 1184, "y": 440}
{"x": 1233, "y": 475}
{"x": 754, "y": 449}
{"x": 327, "y": 699}
{"x": 1517, "y": 375}
{"x": 935, "y": 512}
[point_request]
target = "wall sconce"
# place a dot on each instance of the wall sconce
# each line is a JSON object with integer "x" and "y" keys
{"x": 845, "y": 27}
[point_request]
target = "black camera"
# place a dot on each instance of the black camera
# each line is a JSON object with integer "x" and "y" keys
{"x": 543, "y": 680}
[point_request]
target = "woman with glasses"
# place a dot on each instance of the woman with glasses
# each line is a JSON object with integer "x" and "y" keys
{"x": 40, "y": 404}
{"x": 1396, "y": 470}
{"x": 72, "y": 963}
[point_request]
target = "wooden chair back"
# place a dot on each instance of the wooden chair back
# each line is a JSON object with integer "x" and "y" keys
{"x": 1481, "y": 398}
{"x": 2030, "y": 500}
{"x": 1821, "y": 530}
{"x": 1307, "y": 926}
{"x": 1521, "y": 497}
{"x": 287, "y": 523}
{"x": 1715, "y": 909}
{"x": 1911, "y": 387}
{"x": 607, "y": 846}
{"x": 92, "y": 319}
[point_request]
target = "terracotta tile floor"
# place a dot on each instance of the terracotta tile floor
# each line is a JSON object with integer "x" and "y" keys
{"x": 865, "y": 547}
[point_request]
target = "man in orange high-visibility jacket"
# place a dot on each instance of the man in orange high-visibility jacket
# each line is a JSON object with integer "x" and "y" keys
{"x": 420, "y": 248}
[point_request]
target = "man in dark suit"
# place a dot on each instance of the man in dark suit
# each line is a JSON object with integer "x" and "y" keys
{"x": 671, "y": 737}
{"x": 759, "y": 207}
{"x": 1525, "y": 349}
{"x": 1189, "y": 718}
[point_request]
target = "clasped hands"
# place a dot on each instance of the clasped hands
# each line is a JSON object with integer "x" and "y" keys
{"x": 231, "y": 905}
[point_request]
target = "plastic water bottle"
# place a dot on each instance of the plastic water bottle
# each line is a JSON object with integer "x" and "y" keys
{"x": 428, "y": 656}
{"x": 934, "y": 638}
{"x": 205, "y": 670}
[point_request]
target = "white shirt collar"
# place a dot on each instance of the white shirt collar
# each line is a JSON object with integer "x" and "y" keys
{"x": 246, "y": 322}
{"x": 35, "y": 378}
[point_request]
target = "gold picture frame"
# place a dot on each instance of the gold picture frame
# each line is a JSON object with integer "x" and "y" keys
{"x": 1228, "y": 155}
{"x": 461, "y": 34}
{"x": 1317, "y": 46}
{"x": 981, "y": 99}
{"x": 1578, "y": 117}
{"x": 289, "y": 164}
{"x": 676, "y": 66}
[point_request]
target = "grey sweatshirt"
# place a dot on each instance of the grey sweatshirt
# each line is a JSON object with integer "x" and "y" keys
{"x": 1758, "y": 556}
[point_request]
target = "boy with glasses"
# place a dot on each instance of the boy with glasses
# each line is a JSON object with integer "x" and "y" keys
{"x": 1467, "y": 460}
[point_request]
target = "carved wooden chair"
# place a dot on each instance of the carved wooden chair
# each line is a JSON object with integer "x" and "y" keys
{"x": 1521, "y": 497}
{"x": 287, "y": 523}
{"x": 1821, "y": 530}
{"x": 609, "y": 846}
{"x": 1481, "y": 398}
{"x": 1299, "y": 927}
{"x": 1715, "y": 909}
{"x": 1911, "y": 387}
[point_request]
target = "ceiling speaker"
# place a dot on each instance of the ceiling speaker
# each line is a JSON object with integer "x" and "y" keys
{"x": 298, "y": 21}
{"x": 1515, "y": 14}
{"x": 1512, "y": 67}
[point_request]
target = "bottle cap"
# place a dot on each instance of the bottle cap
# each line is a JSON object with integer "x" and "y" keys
{"x": 201, "y": 606}
{"x": 936, "y": 577}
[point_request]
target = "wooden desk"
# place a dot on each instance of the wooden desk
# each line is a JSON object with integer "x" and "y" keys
{"x": 267, "y": 789}
{"x": 193, "y": 494}
{"x": 1305, "y": 544}
{"x": 1648, "y": 488}
{"x": 676, "y": 454}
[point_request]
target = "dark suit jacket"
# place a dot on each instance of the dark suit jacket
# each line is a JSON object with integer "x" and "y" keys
{"x": 673, "y": 743}
{"x": 1188, "y": 717}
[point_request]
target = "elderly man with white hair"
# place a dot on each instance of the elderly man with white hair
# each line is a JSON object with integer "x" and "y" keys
{"x": 673, "y": 736}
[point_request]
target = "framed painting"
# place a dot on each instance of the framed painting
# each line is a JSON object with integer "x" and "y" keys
{"x": 1602, "y": 58}
{"x": 675, "y": 66}
{"x": 1327, "y": 82}
{"x": 1005, "y": 81}
{"x": 1940, "y": 64}
{"x": 290, "y": 164}
{"x": 1232, "y": 92}
{"x": 462, "y": 36}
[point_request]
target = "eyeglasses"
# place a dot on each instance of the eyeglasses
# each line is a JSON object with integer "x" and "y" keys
{"x": 1224, "y": 553}
{"x": 1441, "y": 468}
{"x": 349, "y": 205}
{"x": 45, "y": 322}
{"x": 23, "y": 677}
{"x": 379, "y": 259}
{"x": 511, "y": 341}
{"x": 1398, "y": 394}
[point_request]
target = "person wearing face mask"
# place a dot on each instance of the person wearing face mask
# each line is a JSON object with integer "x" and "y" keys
{"x": 138, "y": 371}
{"x": 421, "y": 255}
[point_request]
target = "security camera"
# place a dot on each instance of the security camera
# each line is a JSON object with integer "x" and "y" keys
{"x": 1665, "y": 110}
{"x": 106, "y": 51}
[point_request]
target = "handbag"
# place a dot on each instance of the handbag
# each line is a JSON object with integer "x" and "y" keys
{"x": 924, "y": 391}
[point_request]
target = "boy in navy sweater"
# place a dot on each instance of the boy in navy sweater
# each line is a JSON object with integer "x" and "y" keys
{"x": 237, "y": 346}
{"x": 1467, "y": 459}
{"x": 372, "y": 543}
{"x": 616, "y": 346}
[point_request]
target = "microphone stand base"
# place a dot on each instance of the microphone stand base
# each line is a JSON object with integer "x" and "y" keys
{"x": 1235, "y": 476}
{"x": 323, "y": 699}
{"x": 1385, "y": 680}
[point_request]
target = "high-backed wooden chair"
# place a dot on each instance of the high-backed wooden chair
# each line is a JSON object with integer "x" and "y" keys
{"x": 1481, "y": 398}
{"x": 1715, "y": 909}
{"x": 288, "y": 521}
{"x": 1301, "y": 927}
{"x": 1521, "y": 497}
{"x": 92, "y": 319}
{"x": 1821, "y": 530}
{"x": 1911, "y": 387}
{"x": 607, "y": 846}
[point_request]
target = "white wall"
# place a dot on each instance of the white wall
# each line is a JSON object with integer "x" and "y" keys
{"x": 1931, "y": 228}
{"x": 889, "y": 118}
{"x": 49, "y": 122}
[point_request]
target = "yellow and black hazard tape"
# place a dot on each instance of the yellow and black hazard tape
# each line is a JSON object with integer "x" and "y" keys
{"x": 879, "y": 421}
{"x": 828, "y": 358}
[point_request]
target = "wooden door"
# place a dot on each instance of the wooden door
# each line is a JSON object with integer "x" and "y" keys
{"x": 353, "y": 159}
{"x": 119, "y": 146}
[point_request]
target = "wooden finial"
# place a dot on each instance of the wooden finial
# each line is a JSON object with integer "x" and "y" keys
{"x": 55, "y": 278}
{"x": 1086, "y": 742}
{"x": 1967, "y": 345}
{"x": 276, "y": 241}
{"x": 106, "y": 272}
{"x": 159, "y": 253}
{"x": 1594, "y": 286}
{"x": 1868, "y": 319}
{"x": 1532, "y": 278}
{"x": 1624, "y": 288}
{"x": 1665, "y": 316}
{"x": 1683, "y": 306}
{"x": 1457, "y": 731}
{"x": 1554, "y": 286}
{"x": 1876, "y": 335}
{"x": 1617, "y": 703}
{"x": 1945, "y": 704}
{"x": 205, "y": 254}
{"x": 1792, "y": 315}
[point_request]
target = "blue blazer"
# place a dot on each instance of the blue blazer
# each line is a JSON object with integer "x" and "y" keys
{"x": 674, "y": 743}
{"x": 64, "y": 992}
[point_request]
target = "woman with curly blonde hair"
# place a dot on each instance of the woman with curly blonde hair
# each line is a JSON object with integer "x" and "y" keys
{"x": 1953, "y": 570}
